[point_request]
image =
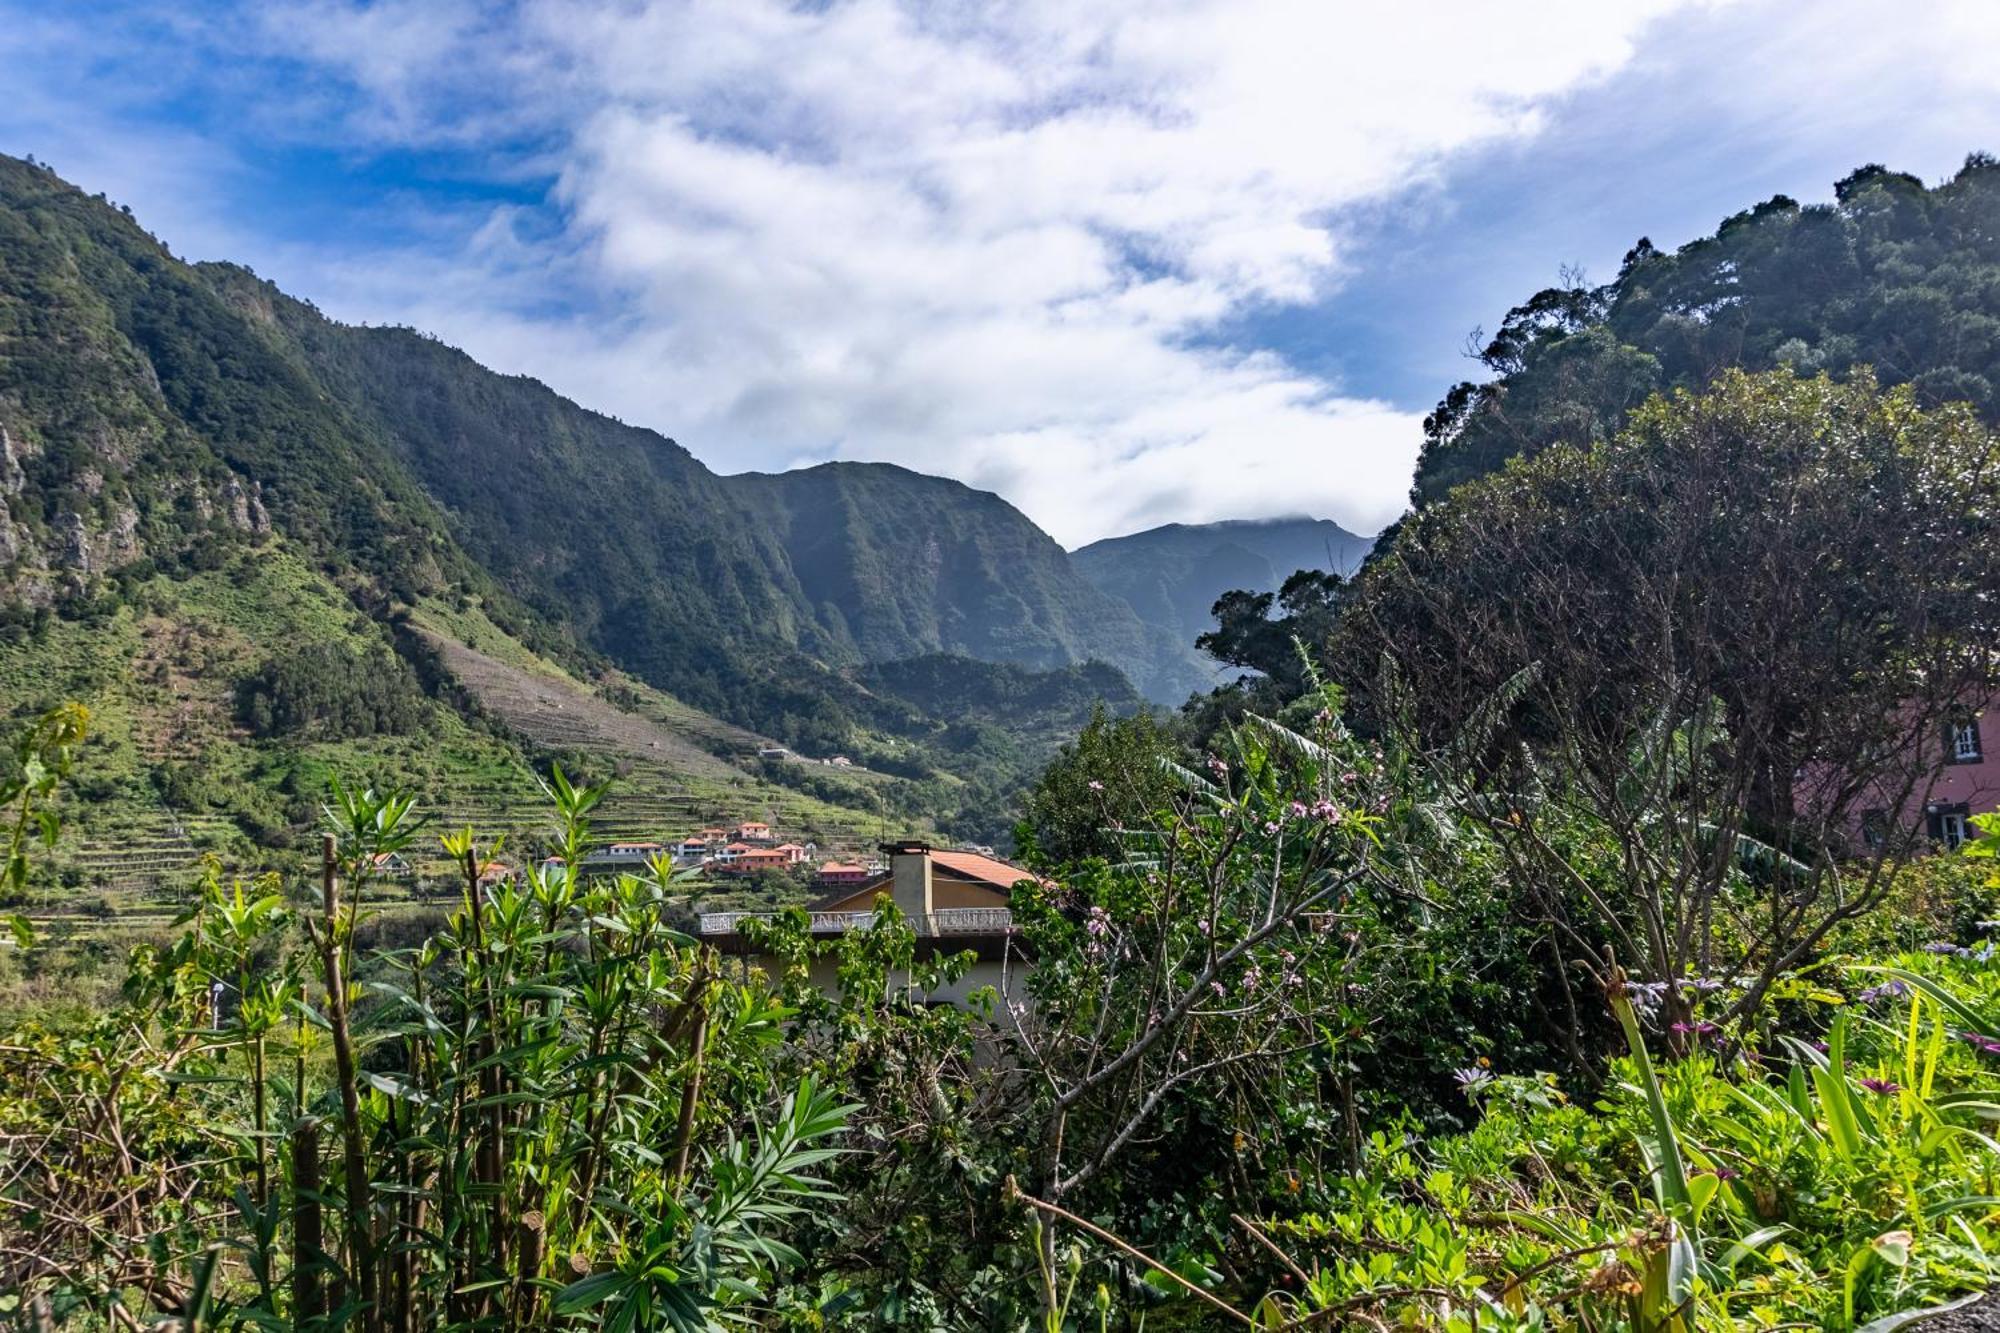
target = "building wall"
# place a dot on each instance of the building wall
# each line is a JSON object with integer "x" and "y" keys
{"x": 1960, "y": 788}
{"x": 958, "y": 893}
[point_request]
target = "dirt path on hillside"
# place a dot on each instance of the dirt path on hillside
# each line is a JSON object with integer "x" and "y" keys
{"x": 562, "y": 714}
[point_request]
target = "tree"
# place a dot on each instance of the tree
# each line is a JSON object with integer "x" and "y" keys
{"x": 1112, "y": 776}
{"x": 1703, "y": 648}
{"x": 1892, "y": 275}
{"x": 1223, "y": 945}
{"x": 1247, "y": 635}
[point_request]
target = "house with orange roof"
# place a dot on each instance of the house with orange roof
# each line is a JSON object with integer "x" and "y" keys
{"x": 754, "y": 859}
{"x": 753, "y": 831}
{"x": 955, "y": 901}
{"x": 847, "y": 875}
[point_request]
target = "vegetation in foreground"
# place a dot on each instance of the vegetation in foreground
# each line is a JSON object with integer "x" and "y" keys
{"x": 1278, "y": 1065}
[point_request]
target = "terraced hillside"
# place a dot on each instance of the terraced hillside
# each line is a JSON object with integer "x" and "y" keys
{"x": 174, "y": 773}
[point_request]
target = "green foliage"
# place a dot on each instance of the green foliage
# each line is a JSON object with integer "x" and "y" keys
{"x": 327, "y": 690}
{"x": 40, "y": 761}
{"x": 546, "y": 1113}
{"x": 1892, "y": 275}
{"x": 1114, "y": 776}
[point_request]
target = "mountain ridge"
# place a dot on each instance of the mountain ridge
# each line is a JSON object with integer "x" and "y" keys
{"x": 169, "y": 430}
{"x": 1171, "y": 575}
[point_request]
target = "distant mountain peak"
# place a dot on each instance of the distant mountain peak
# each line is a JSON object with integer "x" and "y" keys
{"x": 1171, "y": 575}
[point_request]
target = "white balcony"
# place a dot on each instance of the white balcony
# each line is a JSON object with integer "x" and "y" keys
{"x": 944, "y": 921}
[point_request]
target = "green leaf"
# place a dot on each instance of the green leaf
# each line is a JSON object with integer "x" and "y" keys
{"x": 586, "y": 1292}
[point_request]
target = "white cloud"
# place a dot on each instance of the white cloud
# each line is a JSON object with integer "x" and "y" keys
{"x": 999, "y": 242}
{"x": 991, "y": 243}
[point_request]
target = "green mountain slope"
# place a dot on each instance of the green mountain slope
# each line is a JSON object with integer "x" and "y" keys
{"x": 263, "y": 545}
{"x": 1172, "y": 575}
{"x": 1891, "y": 275}
{"x": 900, "y": 564}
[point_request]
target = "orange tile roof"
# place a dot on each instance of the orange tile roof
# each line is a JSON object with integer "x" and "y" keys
{"x": 985, "y": 869}
{"x": 842, "y": 868}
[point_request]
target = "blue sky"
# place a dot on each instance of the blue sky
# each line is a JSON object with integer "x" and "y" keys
{"x": 1124, "y": 264}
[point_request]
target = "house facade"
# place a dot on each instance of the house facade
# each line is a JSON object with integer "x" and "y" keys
{"x": 844, "y": 875}
{"x": 1950, "y": 775}
{"x": 954, "y": 901}
{"x": 1967, "y": 784}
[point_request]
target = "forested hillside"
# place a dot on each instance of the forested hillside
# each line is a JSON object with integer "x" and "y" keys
{"x": 1892, "y": 275}
{"x": 1173, "y": 575}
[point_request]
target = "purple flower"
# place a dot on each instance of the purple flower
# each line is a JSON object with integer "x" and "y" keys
{"x": 1700, "y": 986}
{"x": 1095, "y": 785}
{"x": 1979, "y": 1042}
{"x": 1888, "y": 990}
{"x": 1471, "y": 1080}
{"x": 1880, "y": 1086}
{"x": 1298, "y": 809}
{"x": 1723, "y": 1173}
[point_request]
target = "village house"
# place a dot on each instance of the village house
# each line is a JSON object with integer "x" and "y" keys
{"x": 753, "y": 859}
{"x": 954, "y": 901}
{"x": 844, "y": 875}
{"x": 754, "y": 832}
{"x": 1967, "y": 784}
{"x": 1948, "y": 778}
{"x": 625, "y": 855}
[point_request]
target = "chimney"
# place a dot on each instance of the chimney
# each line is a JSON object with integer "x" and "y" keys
{"x": 910, "y": 881}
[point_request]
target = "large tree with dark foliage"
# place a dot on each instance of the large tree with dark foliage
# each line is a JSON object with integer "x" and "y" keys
{"x": 1890, "y": 275}
{"x": 1719, "y": 638}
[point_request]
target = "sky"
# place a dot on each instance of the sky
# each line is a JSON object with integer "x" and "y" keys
{"x": 1123, "y": 263}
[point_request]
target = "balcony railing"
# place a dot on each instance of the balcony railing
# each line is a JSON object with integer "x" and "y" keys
{"x": 971, "y": 920}
{"x": 944, "y": 921}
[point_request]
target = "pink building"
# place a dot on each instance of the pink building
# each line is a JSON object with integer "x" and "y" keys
{"x": 1955, "y": 776}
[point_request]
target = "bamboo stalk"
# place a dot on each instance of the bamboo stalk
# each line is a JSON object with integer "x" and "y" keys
{"x": 308, "y": 1298}
{"x": 361, "y": 1239}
